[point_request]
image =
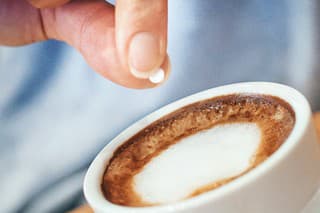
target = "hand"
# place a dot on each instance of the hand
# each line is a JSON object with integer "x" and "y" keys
{"x": 123, "y": 44}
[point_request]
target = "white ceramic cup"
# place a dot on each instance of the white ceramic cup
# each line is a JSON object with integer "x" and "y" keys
{"x": 284, "y": 183}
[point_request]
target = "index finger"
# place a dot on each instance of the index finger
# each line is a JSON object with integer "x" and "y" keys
{"x": 141, "y": 35}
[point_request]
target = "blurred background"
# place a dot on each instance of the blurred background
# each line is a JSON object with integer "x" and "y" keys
{"x": 56, "y": 113}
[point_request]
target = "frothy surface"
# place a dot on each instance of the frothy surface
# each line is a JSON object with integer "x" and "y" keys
{"x": 198, "y": 160}
{"x": 151, "y": 167}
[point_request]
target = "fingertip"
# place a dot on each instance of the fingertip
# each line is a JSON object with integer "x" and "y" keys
{"x": 141, "y": 36}
{"x": 157, "y": 79}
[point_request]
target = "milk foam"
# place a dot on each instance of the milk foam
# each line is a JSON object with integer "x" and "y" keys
{"x": 196, "y": 161}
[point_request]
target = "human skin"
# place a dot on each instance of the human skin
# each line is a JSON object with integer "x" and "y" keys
{"x": 114, "y": 40}
{"x": 102, "y": 33}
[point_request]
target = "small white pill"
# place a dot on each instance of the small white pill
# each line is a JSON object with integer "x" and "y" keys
{"x": 157, "y": 76}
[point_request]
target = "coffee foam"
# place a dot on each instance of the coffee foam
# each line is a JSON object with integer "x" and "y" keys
{"x": 134, "y": 160}
{"x": 208, "y": 156}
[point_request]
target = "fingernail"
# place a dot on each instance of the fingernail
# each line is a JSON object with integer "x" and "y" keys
{"x": 144, "y": 56}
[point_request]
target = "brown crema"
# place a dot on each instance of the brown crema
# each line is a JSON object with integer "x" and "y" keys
{"x": 274, "y": 117}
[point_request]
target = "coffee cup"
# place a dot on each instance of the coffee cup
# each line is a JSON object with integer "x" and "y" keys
{"x": 284, "y": 182}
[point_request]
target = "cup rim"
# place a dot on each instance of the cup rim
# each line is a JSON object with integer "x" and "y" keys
{"x": 299, "y": 104}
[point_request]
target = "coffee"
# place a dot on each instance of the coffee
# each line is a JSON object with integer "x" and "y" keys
{"x": 197, "y": 148}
